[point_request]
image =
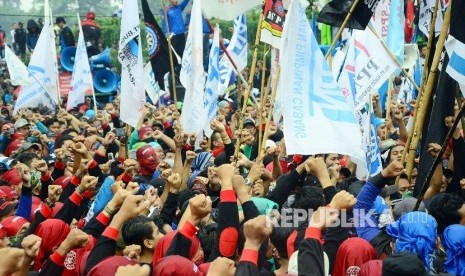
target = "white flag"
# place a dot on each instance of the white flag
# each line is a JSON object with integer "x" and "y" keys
{"x": 18, "y": 71}
{"x": 213, "y": 79}
{"x": 43, "y": 90}
{"x": 425, "y": 15}
{"x": 372, "y": 67}
{"x": 237, "y": 50}
{"x": 132, "y": 68}
{"x": 456, "y": 66}
{"x": 380, "y": 18}
{"x": 55, "y": 89}
{"x": 227, "y": 10}
{"x": 316, "y": 116}
{"x": 192, "y": 75}
{"x": 151, "y": 85}
{"x": 82, "y": 82}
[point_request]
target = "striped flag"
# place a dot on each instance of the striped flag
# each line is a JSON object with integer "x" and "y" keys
{"x": 455, "y": 44}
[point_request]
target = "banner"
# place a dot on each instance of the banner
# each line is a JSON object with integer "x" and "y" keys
{"x": 18, "y": 71}
{"x": 396, "y": 36}
{"x": 192, "y": 75}
{"x": 372, "y": 64}
{"x": 55, "y": 90}
{"x": 380, "y": 18}
{"x": 213, "y": 81}
{"x": 426, "y": 14}
{"x": 43, "y": 90}
{"x": 227, "y": 10}
{"x": 237, "y": 49}
{"x": 272, "y": 25}
{"x": 64, "y": 79}
{"x": 455, "y": 44}
{"x": 157, "y": 46}
{"x": 132, "y": 68}
{"x": 316, "y": 116}
{"x": 82, "y": 82}
{"x": 335, "y": 12}
{"x": 151, "y": 85}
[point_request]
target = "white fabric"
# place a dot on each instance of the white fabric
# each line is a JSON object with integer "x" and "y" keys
{"x": 316, "y": 116}
{"x": 132, "y": 68}
{"x": 192, "y": 75}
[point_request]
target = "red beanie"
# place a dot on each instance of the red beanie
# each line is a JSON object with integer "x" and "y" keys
{"x": 143, "y": 131}
{"x": 9, "y": 192}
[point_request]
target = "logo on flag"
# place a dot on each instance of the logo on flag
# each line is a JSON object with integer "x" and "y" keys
{"x": 316, "y": 115}
{"x": 272, "y": 25}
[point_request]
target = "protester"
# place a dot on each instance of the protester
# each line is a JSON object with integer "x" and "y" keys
{"x": 176, "y": 25}
{"x": 65, "y": 34}
{"x": 20, "y": 40}
{"x": 33, "y": 32}
{"x": 91, "y": 32}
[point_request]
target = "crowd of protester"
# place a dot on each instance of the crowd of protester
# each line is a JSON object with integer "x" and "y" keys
{"x": 81, "y": 193}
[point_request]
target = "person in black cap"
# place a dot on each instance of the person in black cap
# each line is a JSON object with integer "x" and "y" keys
{"x": 66, "y": 35}
{"x": 20, "y": 40}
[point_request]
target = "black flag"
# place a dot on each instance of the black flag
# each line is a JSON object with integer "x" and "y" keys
{"x": 157, "y": 46}
{"x": 436, "y": 131}
{"x": 336, "y": 11}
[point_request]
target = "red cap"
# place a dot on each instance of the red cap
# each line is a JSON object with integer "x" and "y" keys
{"x": 90, "y": 15}
{"x": 9, "y": 192}
{"x": 62, "y": 181}
{"x": 12, "y": 225}
{"x": 12, "y": 177}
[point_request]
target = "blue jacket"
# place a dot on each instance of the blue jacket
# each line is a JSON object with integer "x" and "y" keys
{"x": 176, "y": 23}
{"x": 366, "y": 224}
{"x": 31, "y": 40}
{"x": 25, "y": 204}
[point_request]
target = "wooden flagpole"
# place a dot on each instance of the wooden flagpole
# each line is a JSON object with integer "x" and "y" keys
{"x": 389, "y": 98}
{"x": 262, "y": 96}
{"x": 422, "y": 85}
{"x": 268, "y": 119}
{"x": 341, "y": 29}
{"x": 249, "y": 88}
{"x": 393, "y": 57}
{"x": 170, "y": 52}
{"x": 421, "y": 113}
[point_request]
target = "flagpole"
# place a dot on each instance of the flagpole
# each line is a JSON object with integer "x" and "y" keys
{"x": 341, "y": 29}
{"x": 262, "y": 93}
{"x": 55, "y": 57}
{"x": 421, "y": 113}
{"x": 422, "y": 85}
{"x": 389, "y": 98}
{"x": 268, "y": 119}
{"x": 443, "y": 148}
{"x": 170, "y": 52}
{"x": 393, "y": 57}
{"x": 249, "y": 88}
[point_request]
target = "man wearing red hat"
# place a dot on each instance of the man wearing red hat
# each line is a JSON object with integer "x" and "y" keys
{"x": 91, "y": 32}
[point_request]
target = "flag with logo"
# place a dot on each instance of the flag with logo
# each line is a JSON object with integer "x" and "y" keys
{"x": 335, "y": 12}
{"x": 455, "y": 44}
{"x": 227, "y": 10}
{"x": 374, "y": 163}
{"x": 157, "y": 46}
{"x": 316, "y": 116}
{"x": 151, "y": 85}
{"x": 396, "y": 35}
{"x": 272, "y": 25}
{"x": 372, "y": 64}
{"x": 426, "y": 14}
{"x": 380, "y": 18}
{"x": 132, "y": 67}
{"x": 237, "y": 50}
{"x": 81, "y": 82}
{"x": 18, "y": 71}
{"x": 43, "y": 91}
{"x": 213, "y": 80}
{"x": 192, "y": 75}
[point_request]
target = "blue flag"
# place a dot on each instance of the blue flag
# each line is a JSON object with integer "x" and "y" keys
{"x": 396, "y": 36}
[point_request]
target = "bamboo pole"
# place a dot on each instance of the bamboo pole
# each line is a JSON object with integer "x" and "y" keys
{"x": 262, "y": 93}
{"x": 394, "y": 58}
{"x": 424, "y": 75}
{"x": 339, "y": 32}
{"x": 389, "y": 98}
{"x": 249, "y": 88}
{"x": 428, "y": 91}
{"x": 170, "y": 52}
{"x": 268, "y": 119}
